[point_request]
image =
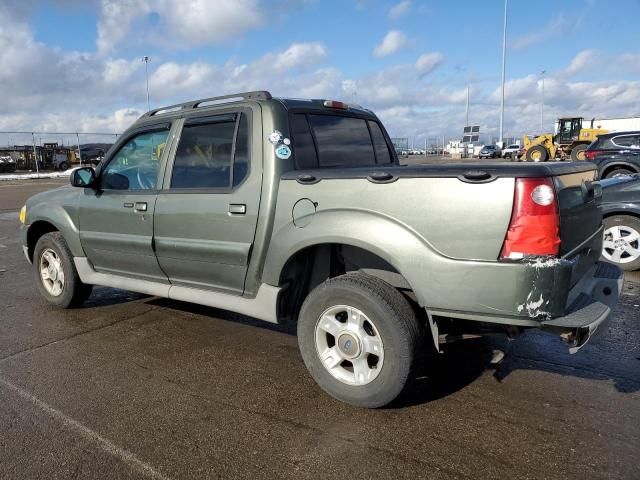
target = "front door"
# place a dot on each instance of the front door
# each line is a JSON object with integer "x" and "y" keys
{"x": 116, "y": 219}
{"x": 206, "y": 214}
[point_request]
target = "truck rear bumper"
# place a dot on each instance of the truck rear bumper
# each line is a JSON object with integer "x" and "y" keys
{"x": 589, "y": 305}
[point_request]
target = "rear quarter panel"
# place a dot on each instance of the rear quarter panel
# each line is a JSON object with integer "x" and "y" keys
{"x": 443, "y": 235}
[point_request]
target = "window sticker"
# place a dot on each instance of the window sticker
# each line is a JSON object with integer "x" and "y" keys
{"x": 283, "y": 152}
{"x": 275, "y": 137}
{"x": 281, "y": 144}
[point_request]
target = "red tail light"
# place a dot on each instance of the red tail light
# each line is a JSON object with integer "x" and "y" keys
{"x": 335, "y": 104}
{"x": 591, "y": 155}
{"x": 535, "y": 221}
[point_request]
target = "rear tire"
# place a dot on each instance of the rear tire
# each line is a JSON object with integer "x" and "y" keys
{"x": 577, "y": 153}
{"x": 56, "y": 276}
{"x": 63, "y": 166}
{"x": 359, "y": 337}
{"x": 617, "y": 172}
{"x": 622, "y": 241}
{"x": 537, "y": 153}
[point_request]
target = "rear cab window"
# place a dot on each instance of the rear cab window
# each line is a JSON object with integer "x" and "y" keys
{"x": 330, "y": 140}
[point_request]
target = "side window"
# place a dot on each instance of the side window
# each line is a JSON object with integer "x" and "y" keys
{"x": 305, "y": 150}
{"x": 342, "y": 141}
{"x": 628, "y": 141}
{"x": 379, "y": 143}
{"x": 135, "y": 166}
{"x": 203, "y": 157}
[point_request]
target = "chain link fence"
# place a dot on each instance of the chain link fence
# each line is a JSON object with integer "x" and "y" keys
{"x": 46, "y": 151}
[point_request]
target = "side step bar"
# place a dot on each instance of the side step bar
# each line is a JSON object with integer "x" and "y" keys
{"x": 262, "y": 307}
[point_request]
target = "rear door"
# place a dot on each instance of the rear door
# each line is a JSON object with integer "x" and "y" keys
{"x": 626, "y": 147}
{"x": 206, "y": 214}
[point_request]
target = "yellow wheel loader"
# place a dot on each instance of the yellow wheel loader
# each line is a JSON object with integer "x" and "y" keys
{"x": 570, "y": 142}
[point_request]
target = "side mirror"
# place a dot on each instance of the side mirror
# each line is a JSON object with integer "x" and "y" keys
{"x": 84, "y": 177}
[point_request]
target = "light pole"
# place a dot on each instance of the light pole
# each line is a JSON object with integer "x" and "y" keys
{"x": 467, "y": 109}
{"x": 504, "y": 60}
{"x": 542, "y": 73}
{"x": 146, "y": 61}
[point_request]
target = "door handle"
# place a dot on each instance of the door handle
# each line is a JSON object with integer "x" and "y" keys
{"x": 127, "y": 205}
{"x": 141, "y": 207}
{"x": 306, "y": 178}
{"x": 237, "y": 209}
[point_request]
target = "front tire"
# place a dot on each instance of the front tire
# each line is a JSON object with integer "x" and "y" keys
{"x": 537, "y": 153}
{"x": 577, "y": 153}
{"x": 56, "y": 276}
{"x": 358, "y": 337}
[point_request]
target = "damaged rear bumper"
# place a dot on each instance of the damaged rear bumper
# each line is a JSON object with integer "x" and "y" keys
{"x": 589, "y": 305}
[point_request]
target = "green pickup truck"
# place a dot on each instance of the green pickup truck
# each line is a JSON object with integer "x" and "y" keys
{"x": 298, "y": 211}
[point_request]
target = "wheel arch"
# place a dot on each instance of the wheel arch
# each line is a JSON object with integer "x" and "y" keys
{"x": 606, "y": 169}
{"x": 618, "y": 213}
{"x": 36, "y": 231}
{"x": 309, "y": 266}
{"x": 338, "y": 241}
{"x": 44, "y": 219}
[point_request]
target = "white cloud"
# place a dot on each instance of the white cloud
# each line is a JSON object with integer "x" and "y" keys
{"x": 300, "y": 55}
{"x": 553, "y": 27}
{"x": 115, "y": 19}
{"x": 399, "y": 9}
{"x": 428, "y": 62}
{"x": 581, "y": 61}
{"x": 104, "y": 91}
{"x": 175, "y": 24}
{"x": 203, "y": 22}
{"x": 393, "y": 41}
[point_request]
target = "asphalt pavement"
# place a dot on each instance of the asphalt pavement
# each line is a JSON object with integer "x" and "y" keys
{"x": 130, "y": 386}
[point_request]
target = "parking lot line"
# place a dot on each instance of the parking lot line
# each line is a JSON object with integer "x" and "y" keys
{"x": 94, "y": 437}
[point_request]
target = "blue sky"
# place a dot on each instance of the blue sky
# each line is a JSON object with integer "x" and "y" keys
{"x": 408, "y": 60}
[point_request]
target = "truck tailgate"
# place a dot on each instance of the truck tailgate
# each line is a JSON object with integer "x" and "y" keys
{"x": 579, "y": 196}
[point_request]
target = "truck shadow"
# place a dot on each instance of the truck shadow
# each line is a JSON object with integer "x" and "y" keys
{"x": 105, "y": 296}
{"x": 439, "y": 375}
{"x": 613, "y": 356}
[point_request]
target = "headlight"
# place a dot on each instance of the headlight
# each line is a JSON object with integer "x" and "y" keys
{"x": 23, "y": 214}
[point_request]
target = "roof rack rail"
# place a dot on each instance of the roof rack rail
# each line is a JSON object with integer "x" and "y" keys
{"x": 257, "y": 95}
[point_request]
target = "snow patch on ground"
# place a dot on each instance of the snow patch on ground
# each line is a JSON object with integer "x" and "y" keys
{"x": 32, "y": 175}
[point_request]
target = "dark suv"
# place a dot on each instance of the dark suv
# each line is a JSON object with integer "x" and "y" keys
{"x": 616, "y": 153}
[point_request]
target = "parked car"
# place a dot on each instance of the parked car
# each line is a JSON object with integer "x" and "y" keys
{"x": 298, "y": 211}
{"x": 621, "y": 211}
{"x": 489, "y": 151}
{"x": 510, "y": 151}
{"x": 7, "y": 164}
{"x": 616, "y": 153}
{"x": 92, "y": 151}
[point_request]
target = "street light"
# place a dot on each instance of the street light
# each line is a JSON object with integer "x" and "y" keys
{"x": 542, "y": 73}
{"x": 504, "y": 59}
{"x": 146, "y": 61}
